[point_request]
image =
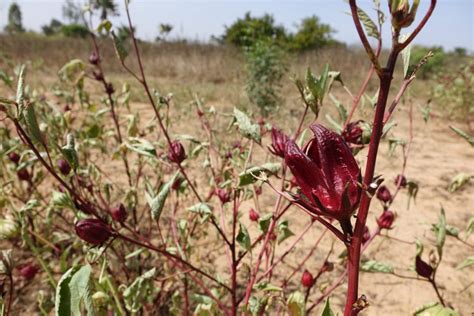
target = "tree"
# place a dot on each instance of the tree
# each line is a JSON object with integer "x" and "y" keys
{"x": 107, "y": 7}
{"x": 53, "y": 28}
{"x": 14, "y": 19}
{"x": 311, "y": 34}
{"x": 249, "y": 30}
{"x": 72, "y": 12}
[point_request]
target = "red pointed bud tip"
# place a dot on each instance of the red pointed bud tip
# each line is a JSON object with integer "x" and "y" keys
{"x": 94, "y": 58}
{"x": 384, "y": 195}
{"x": 28, "y": 271}
{"x": 93, "y": 231}
{"x": 253, "y": 215}
{"x": 401, "y": 181}
{"x": 422, "y": 268}
{"x": 176, "y": 183}
{"x": 23, "y": 174}
{"x": 385, "y": 220}
{"x": 279, "y": 141}
{"x": 258, "y": 190}
{"x": 64, "y": 166}
{"x": 223, "y": 195}
{"x": 352, "y": 134}
{"x": 109, "y": 88}
{"x": 307, "y": 279}
{"x": 119, "y": 213}
{"x": 176, "y": 152}
{"x": 366, "y": 235}
{"x": 14, "y": 157}
{"x": 200, "y": 113}
{"x": 326, "y": 172}
{"x": 67, "y": 108}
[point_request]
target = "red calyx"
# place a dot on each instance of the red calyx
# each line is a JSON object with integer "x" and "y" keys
{"x": 327, "y": 174}
{"x": 385, "y": 220}
{"x": 253, "y": 215}
{"x": 223, "y": 195}
{"x": 23, "y": 174}
{"x": 14, "y": 157}
{"x": 119, "y": 213}
{"x": 401, "y": 180}
{"x": 307, "y": 279}
{"x": 279, "y": 141}
{"x": 64, "y": 166}
{"x": 176, "y": 152}
{"x": 94, "y": 58}
{"x": 422, "y": 268}
{"x": 384, "y": 195}
{"x": 352, "y": 134}
{"x": 92, "y": 230}
{"x": 28, "y": 271}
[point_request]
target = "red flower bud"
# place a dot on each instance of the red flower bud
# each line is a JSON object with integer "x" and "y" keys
{"x": 93, "y": 231}
{"x": 94, "y": 58}
{"x": 67, "y": 108}
{"x": 98, "y": 75}
{"x": 327, "y": 173}
{"x": 253, "y": 215}
{"x": 327, "y": 266}
{"x": 223, "y": 195}
{"x": 119, "y": 213}
{"x": 401, "y": 180}
{"x": 258, "y": 190}
{"x": 307, "y": 279}
{"x": 279, "y": 141}
{"x": 109, "y": 88}
{"x": 366, "y": 235}
{"x": 176, "y": 152}
{"x": 384, "y": 195}
{"x": 23, "y": 174}
{"x": 352, "y": 134}
{"x": 64, "y": 166}
{"x": 14, "y": 157}
{"x": 177, "y": 183}
{"x": 385, "y": 220}
{"x": 28, "y": 271}
{"x": 422, "y": 268}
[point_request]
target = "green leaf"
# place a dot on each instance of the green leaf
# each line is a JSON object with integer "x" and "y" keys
{"x": 296, "y": 304}
{"x": 441, "y": 235}
{"x": 134, "y": 295}
{"x": 142, "y": 147}
{"x": 252, "y": 174}
{"x": 62, "y": 200}
{"x": 73, "y": 289}
{"x": 32, "y": 124}
{"x": 243, "y": 237}
{"x": 120, "y": 50}
{"x": 435, "y": 309}
{"x": 467, "y": 137}
{"x": 369, "y": 25}
{"x": 20, "y": 91}
{"x": 469, "y": 228}
{"x": 459, "y": 181}
{"x": 157, "y": 202}
{"x": 69, "y": 151}
{"x": 327, "y": 311}
{"x": 406, "y": 52}
{"x": 283, "y": 231}
{"x": 72, "y": 71}
{"x": 264, "y": 222}
{"x": 203, "y": 209}
{"x": 412, "y": 190}
{"x": 376, "y": 266}
{"x": 469, "y": 261}
{"x": 104, "y": 25}
{"x": 246, "y": 127}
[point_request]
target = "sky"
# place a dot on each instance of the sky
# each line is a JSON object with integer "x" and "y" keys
{"x": 452, "y": 23}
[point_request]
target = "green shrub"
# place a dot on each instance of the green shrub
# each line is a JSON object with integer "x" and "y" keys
{"x": 74, "y": 30}
{"x": 265, "y": 62}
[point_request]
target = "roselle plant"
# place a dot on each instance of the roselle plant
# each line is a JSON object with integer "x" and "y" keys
{"x": 128, "y": 216}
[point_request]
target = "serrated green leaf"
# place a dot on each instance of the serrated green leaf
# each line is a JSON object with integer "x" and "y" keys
{"x": 467, "y": 137}
{"x": 459, "y": 181}
{"x": 246, "y": 127}
{"x": 72, "y": 290}
{"x": 203, "y": 209}
{"x": 157, "y": 202}
{"x": 283, "y": 231}
{"x": 296, "y": 304}
{"x": 142, "y": 147}
{"x": 376, "y": 266}
{"x": 469, "y": 261}
{"x": 134, "y": 295}
{"x": 369, "y": 25}
{"x": 441, "y": 234}
{"x": 406, "y": 52}
{"x": 62, "y": 200}
{"x": 243, "y": 237}
{"x": 327, "y": 311}
{"x": 252, "y": 174}
{"x": 32, "y": 124}
{"x": 20, "y": 91}
{"x": 120, "y": 50}
{"x": 435, "y": 309}
{"x": 264, "y": 222}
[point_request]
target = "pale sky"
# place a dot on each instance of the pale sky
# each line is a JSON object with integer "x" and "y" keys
{"x": 452, "y": 24}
